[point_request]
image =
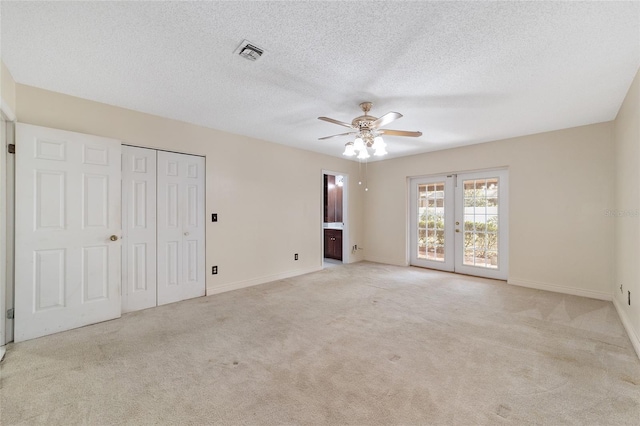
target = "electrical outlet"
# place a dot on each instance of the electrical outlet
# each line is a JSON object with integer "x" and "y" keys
{"x": 214, "y": 217}
{"x": 629, "y": 298}
{"x": 214, "y": 270}
{"x": 295, "y": 257}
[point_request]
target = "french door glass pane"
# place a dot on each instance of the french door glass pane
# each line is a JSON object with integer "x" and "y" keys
{"x": 431, "y": 237}
{"x": 481, "y": 222}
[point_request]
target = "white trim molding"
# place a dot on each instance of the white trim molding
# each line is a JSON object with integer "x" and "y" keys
{"x": 601, "y": 295}
{"x": 236, "y": 285}
{"x": 635, "y": 340}
{"x": 7, "y": 111}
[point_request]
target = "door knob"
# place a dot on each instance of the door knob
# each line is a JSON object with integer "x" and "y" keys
{"x": 457, "y": 230}
{"x": 186, "y": 234}
{"x": 113, "y": 238}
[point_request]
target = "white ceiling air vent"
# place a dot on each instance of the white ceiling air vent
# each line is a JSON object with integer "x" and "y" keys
{"x": 249, "y": 51}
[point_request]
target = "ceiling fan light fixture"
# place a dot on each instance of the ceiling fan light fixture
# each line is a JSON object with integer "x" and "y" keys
{"x": 368, "y": 131}
{"x": 349, "y": 150}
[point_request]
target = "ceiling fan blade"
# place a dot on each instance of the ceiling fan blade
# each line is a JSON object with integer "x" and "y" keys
{"x": 400, "y": 133}
{"x": 385, "y": 119}
{"x": 333, "y": 136}
{"x": 340, "y": 123}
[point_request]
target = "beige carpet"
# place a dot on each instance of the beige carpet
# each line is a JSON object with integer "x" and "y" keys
{"x": 363, "y": 344}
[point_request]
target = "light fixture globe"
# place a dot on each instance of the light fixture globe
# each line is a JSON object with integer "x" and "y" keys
{"x": 363, "y": 155}
{"x": 378, "y": 143}
{"x": 349, "y": 150}
{"x": 380, "y": 151}
{"x": 358, "y": 144}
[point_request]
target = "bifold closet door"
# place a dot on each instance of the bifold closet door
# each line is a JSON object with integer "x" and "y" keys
{"x": 139, "y": 228}
{"x": 180, "y": 224}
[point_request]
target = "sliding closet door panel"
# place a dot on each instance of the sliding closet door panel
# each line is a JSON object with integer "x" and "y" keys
{"x": 181, "y": 229}
{"x": 139, "y": 226}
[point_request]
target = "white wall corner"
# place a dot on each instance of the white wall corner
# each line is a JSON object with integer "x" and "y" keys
{"x": 635, "y": 340}
{"x": 236, "y": 285}
{"x": 601, "y": 295}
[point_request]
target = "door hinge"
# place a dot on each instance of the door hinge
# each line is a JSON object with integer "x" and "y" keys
{"x": 11, "y": 148}
{"x": 10, "y": 313}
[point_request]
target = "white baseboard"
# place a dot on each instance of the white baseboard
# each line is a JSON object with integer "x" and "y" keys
{"x": 257, "y": 281}
{"x": 601, "y": 295}
{"x": 635, "y": 341}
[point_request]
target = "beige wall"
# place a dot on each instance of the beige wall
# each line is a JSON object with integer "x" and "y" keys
{"x": 268, "y": 196}
{"x": 627, "y": 221}
{"x": 560, "y": 185}
{"x": 7, "y": 89}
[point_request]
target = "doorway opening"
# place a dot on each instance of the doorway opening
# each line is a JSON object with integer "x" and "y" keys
{"x": 334, "y": 214}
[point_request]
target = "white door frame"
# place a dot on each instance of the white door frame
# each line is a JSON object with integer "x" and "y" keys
{"x": 6, "y": 205}
{"x": 346, "y": 253}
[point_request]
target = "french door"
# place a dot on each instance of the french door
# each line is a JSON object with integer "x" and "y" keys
{"x": 459, "y": 223}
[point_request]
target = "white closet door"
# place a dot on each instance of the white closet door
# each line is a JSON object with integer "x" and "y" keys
{"x": 181, "y": 192}
{"x": 139, "y": 228}
{"x": 68, "y": 225}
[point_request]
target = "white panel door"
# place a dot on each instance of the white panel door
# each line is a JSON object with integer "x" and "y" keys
{"x": 181, "y": 244}
{"x": 139, "y": 228}
{"x": 68, "y": 225}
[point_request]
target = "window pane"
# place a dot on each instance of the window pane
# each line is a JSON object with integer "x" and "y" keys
{"x": 481, "y": 222}
{"x": 431, "y": 221}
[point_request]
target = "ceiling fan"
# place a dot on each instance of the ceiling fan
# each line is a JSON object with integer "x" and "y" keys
{"x": 368, "y": 131}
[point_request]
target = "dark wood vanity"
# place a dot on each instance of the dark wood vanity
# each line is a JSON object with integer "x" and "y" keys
{"x": 333, "y": 243}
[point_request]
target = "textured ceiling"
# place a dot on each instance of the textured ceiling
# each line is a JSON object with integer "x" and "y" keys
{"x": 460, "y": 72}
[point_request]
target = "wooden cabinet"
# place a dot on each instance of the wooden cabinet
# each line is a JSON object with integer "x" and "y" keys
{"x": 332, "y": 199}
{"x": 333, "y": 243}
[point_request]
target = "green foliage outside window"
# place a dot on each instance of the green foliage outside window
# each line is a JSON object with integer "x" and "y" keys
{"x": 485, "y": 238}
